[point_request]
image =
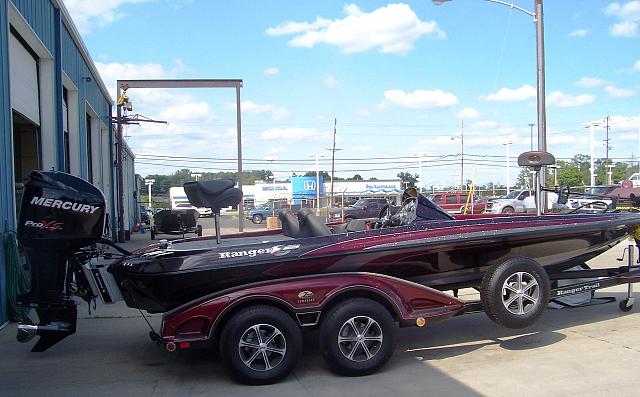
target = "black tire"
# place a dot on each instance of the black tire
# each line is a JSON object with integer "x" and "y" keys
{"x": 340, "y": 320}
{"x": 199, "y": 230}
{"x": 501, "y": 300}
{"x": 257, "y": 219}
{"x": 624, "y": 305}
{"x": 508, "y": 210}
{"x": 241, "y": 328}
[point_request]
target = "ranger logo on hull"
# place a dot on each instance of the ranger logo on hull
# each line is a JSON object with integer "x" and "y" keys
{"x": 276, "y": 250}
{"x": 65, "y": 205}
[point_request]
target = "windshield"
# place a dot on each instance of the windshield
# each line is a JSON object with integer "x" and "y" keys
{"x": 264, "y": 206}
{"x": 512, "y": 195}
{"x": 360, "y": 203}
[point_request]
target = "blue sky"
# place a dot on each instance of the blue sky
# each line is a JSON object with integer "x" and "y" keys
{"x": 399, "y": 78}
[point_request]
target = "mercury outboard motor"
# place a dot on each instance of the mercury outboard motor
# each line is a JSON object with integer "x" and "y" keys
{"x": 60, "y": 215}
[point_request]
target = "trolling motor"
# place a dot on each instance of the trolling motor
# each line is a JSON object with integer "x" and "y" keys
{"x": 60, "y": 215}
{"x": 535, "y": 160}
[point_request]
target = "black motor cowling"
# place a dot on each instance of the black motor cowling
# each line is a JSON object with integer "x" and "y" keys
{"x": 60, "y": 214}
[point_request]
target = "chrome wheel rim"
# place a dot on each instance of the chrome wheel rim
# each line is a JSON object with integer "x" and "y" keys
{"x": 520, "y": 293}
{"x": 360, "y": 338}
{"x": 262, "y": 347}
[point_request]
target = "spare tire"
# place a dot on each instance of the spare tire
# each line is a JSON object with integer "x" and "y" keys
{"x": 515, "y": 293}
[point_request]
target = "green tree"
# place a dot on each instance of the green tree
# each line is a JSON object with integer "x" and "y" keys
{"x": 407, "y": 177}
{"x": 357, "y": 177}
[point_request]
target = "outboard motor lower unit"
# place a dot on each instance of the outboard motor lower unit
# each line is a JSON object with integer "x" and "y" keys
{"x": 60, "y": 215}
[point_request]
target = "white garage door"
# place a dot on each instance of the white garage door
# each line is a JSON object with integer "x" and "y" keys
{"x": 23, "y": 73}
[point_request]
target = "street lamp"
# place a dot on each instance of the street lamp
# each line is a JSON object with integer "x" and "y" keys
{"x": 538, "y": 19}
{"x": 461, "y": 136}
{"x": 317, "y": 156}
{"x": 508, "y": 145}
{"x": 420, "y": 176}
{"x": 149, "y": 182}
{"x": 592, "y": 169}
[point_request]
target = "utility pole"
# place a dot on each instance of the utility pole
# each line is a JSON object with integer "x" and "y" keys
{"x": 531, "y": 130}
{"x": 462, "y": 155}
{"x": 606, "y": 143}
{"x": 333, "y": 157}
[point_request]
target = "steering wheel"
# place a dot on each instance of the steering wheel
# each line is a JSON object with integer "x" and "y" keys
{"x": 405, "y": 215}
{"x": 383, "y": 217}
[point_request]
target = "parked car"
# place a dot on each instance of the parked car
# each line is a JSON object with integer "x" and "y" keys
{"x": 509, "y": 204}
{"x": 271, "y": 208}
{"x": 144, "y": 215}
{"x": 202, "y": 212}
{"x": 367, "y": 208}
{"x": 635, "y": 179}
{"x": 451, "y": 202}
{"x": 477, "y": 207}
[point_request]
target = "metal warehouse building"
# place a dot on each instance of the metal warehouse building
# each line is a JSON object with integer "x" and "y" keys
{"x": 55, "y": 112}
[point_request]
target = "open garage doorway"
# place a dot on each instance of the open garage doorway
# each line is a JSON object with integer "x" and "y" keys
{"x": 26, "y": 152}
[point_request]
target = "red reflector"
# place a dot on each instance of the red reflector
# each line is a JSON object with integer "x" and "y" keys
{"x": 184, "y": 345}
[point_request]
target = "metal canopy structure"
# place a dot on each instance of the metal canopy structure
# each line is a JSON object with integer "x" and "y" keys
{"x": 124, "y": 85}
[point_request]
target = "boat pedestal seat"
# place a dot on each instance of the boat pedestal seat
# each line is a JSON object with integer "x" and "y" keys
{"x": 290, "y": 224}
{"x": 311, "y": 225}
{"x": 214, "y": 194}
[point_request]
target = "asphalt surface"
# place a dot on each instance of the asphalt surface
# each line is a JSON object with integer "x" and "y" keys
{"x": 569, "y": 352}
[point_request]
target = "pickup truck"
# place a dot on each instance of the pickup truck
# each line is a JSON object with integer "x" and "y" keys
{"x": 367, "y": 208}
{"x": 509, "y": 204}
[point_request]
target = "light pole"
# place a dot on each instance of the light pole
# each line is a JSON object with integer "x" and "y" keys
{"x": 508, "y": 145}
{"x": 420, "y": 176}
{"x": 538, "y": 19}
{"x": 317, "y": 156}
{"x": 149, "y": 182}
{"x": 591, "y": 127}
{"x": 461, "y": 136}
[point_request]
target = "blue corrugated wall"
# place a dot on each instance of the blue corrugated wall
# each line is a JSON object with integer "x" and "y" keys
{"x": 45, "y": 21}
{"x": 6, "y": 163}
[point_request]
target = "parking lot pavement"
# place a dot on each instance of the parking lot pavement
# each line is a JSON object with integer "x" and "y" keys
{"x": 569, "y": 352}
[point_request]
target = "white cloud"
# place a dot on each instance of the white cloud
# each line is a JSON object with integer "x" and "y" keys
{"x": 635, "y": 67}
{"x": 629, "y": 16}
{"x": 363, "y": 149}
{"x": 589, "y": 82}
{"x": 484, "y": 124}
{"x": 579, "y": 33}
{"x": 87, "y": 14}
{"x": 419, "y": 99}
{"x": 364, "y": 112}
{"x": 615, "y": 92}
{"x": 287, "y": 133}
{"x": 111, "y": 72}
{"x": 560, "y": 99}
{"x": 393, "y": 28}
{"x": 271, "y": 72}
{"x": 468, "y": 113}
{"x": 512, "y": 94}
{"x": 277, "y": 112}
{"x": 332, "y": 82}
{"x": 278, "y": 149}
{"x": 624, "y": 29}
{"x": 188, "y": 112}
